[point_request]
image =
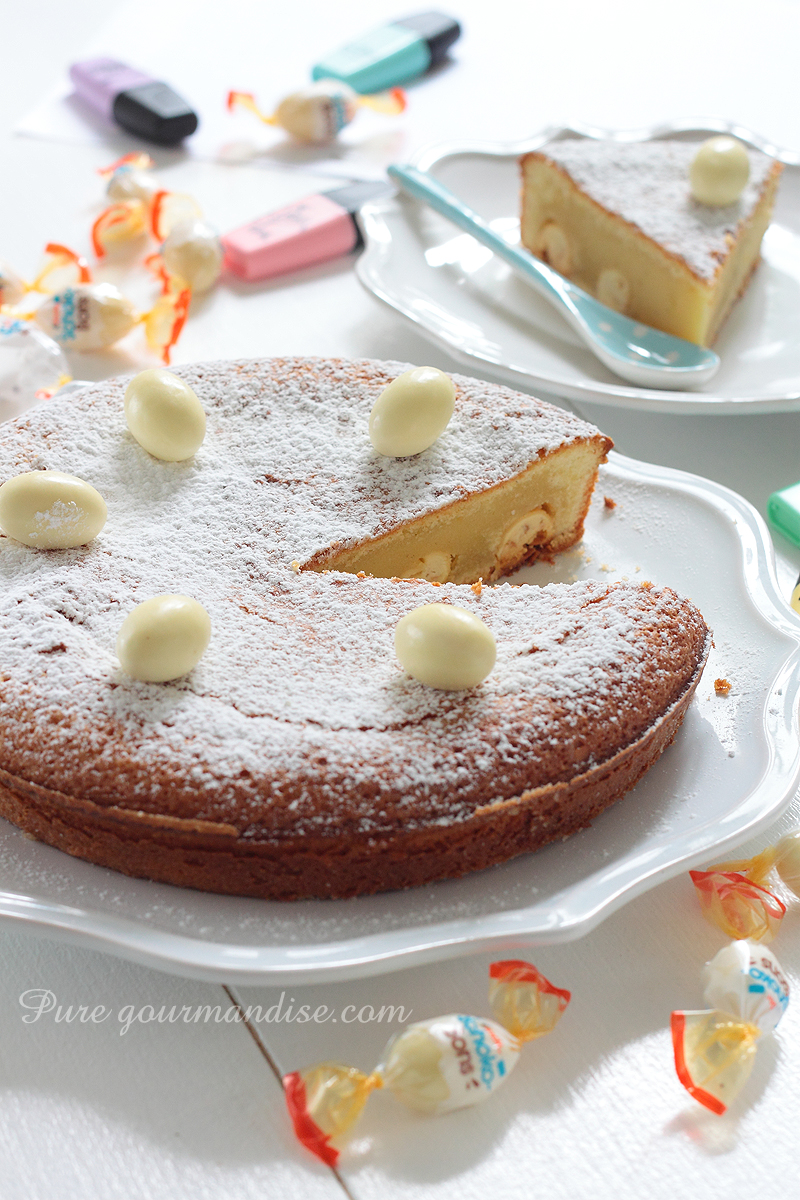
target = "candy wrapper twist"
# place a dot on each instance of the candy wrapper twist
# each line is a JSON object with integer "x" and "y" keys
{"x": 432, "y": 1066}
{"x": 715, "y": 1048}
{"x": 739, "y": 896}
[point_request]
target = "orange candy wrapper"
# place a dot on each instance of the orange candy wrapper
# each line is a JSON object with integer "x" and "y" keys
{"x": 737, "y": 896}
{"x": 715, "y": 1048}
{"x": 433, "y": 1066}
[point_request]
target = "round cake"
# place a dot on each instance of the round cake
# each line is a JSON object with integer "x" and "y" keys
{"x": 298, "y": 759}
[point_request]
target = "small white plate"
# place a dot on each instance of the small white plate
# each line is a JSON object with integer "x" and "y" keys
{"x": 731, "y": 771}
{"x": 457, "y": 293}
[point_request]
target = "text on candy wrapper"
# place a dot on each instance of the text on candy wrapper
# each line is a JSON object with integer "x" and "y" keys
{"x": 767, "y": 982}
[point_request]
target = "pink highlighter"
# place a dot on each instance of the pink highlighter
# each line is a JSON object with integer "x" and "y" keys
{"x": 311, "y": 230}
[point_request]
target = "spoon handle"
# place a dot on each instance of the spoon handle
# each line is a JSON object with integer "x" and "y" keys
{"x": 427, "y": 189}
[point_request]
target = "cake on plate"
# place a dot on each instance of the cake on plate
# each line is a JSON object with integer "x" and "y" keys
{"x": 298, "y": 759}
{"x": 620, "y": 220}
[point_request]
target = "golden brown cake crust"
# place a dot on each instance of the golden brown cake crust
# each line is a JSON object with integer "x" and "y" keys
{"x": 298, "y": 759}
{"x": 212, "y": 857}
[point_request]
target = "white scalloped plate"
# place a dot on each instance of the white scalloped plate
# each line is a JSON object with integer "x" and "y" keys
{"x": 458, "y": 294}
{"x": 731, "y": 771}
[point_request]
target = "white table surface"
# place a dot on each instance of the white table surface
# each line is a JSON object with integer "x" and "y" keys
{"x": 174, "y": 1110}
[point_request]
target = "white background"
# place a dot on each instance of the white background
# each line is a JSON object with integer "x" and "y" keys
{"x": 594, "y": 1109}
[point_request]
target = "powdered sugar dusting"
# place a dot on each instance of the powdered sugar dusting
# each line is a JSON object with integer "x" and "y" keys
{"x": 299, "y": 703}
{"x": 647, "y": 184}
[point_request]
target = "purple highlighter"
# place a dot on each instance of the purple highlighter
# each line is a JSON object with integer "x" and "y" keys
{"x": 137, "y": 102}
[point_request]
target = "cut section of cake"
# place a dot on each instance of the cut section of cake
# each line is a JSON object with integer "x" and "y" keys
{"x": 620, "y": 220}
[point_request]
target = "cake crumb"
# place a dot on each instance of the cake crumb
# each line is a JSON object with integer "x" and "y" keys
{"x": 646, "y": 584}
{"x": 722, "y": 687}
{"x": 361, "y": 574}
{"x": 477, "y": 588}
{"x": 295, "y": 565}
{"x": 608, "y": 502}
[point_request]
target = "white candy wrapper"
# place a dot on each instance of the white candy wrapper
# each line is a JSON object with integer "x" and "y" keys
{"x": 87, "y": 316}
{"x": 448, "y": 1063}
{"x": 715, "y": 1048}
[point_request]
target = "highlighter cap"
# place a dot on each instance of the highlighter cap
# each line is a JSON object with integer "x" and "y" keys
{"x": 155, "y": 112}
{"x": 391, "y": 54}
{"x": 436, "y": 29}
{"x": 136, "y": 101}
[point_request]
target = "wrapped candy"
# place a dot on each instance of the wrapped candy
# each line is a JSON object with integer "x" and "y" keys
{"x": 738, "y": 896}
{"x": 85, "y": 316}
{"x": 319, "y": 112}
{"x": 433, "y": 1066}
{"x": 190, "y": 252}
{"x": 32, "y": 366}
{"x": 715, "y": 1048}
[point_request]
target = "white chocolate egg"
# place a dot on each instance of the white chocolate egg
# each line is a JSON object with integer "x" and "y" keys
{"x": 164, "y": 415}
{"x": 12, "y": 286}
{"x": 51, "y": 510}
{"x": 193, "y": 252}
{"x": 318, "y": 112}
{"x": 445, "y": 646}
{"x": 163, "y": 638}
{"x": 719, "y": 171}
{"x": 411, "y": 413}
{"x": 87, "y": 316}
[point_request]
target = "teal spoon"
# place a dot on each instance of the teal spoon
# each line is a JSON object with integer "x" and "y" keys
{"x": 635, "y": 352}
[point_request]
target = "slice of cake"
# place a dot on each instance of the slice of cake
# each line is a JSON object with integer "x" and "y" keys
{"x": 620, "y": 220}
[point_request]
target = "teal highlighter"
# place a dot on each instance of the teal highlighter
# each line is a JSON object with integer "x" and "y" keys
{"x": 783, "y": 510}
{"x": 391, "y": 54}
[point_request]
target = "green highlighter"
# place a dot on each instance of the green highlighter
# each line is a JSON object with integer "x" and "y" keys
{"x": 392, "y": 53}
